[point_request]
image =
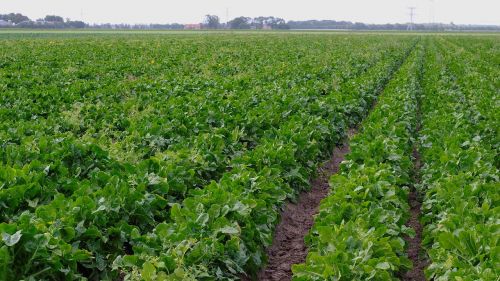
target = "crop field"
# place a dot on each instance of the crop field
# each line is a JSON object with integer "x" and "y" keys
{"x": 172, "y": 156}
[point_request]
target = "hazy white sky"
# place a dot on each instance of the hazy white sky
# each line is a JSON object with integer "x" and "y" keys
{"x": 192, "y": 11}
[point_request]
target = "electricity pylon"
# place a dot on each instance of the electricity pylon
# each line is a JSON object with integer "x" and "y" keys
{"x": 412, "y": 14}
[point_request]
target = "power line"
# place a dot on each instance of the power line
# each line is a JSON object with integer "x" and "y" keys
{"x": 412, "y": 14}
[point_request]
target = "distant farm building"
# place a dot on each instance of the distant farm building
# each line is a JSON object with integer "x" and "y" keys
{"x": 194, "y": 26}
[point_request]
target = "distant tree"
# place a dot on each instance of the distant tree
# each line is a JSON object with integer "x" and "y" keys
{"x": 240, "y": 23}
{"x": 166, "y": 26}
{"x": 277, "y": 23}
{"x": 15, "y": 18}
{"x": 212, "y": 21}
{"x": 259, "y": 22}
{"x": 269, "y": 22}
{"x": 76, "y": 24}
{"x": 53, "y": 18}
{"x": 359, "y": 26}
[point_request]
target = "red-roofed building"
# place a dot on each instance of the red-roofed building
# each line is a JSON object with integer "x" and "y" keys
{"x": 193, "y": 26}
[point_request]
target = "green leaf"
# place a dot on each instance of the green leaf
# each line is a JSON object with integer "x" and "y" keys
{"x": 229, "y": 230}
{"x": 130, "y": 260}
{"x": 81, "y": 255}
{"x": 447, "y": 240}
{"x": 11, "y": 240}
{"x": 383, "y": 265}
{"x": 148, "y": 271}
{"x": 202, "y": 219}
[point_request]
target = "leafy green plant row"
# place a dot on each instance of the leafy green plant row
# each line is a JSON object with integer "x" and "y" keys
{"x": 485, "y": 48}
{"x": 221, "y": 232}
{"x": 82, "y": 229}
{"x": 152, "y": 173}
{"x": 460, "y": 175}
{"x": 212, "y": 146}
{"x": 129, "y": 113}
{"x": 478, "y": 80}
{"x": 357, "y": 234}
{"x": 59, "y": 162}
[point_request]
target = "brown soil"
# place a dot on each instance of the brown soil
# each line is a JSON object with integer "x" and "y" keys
{"x": 297, "y": 218}
{"x": 414, "y": 250}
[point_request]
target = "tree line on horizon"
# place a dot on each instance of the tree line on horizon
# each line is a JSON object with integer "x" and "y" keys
{"x": 213, "y": 22}
{"x": 18, "y": 20}
{"x": 50, "y": 21}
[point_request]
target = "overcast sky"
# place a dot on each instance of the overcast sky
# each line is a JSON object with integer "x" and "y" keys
{"x": 192, "y": 11}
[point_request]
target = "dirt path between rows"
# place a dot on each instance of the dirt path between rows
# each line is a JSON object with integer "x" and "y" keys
{"x": 297, "y": 219}
{"x": 414, "y": 250}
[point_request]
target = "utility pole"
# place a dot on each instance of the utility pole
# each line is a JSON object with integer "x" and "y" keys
{"x": 227, "y": 17}
{"x": 412, "y": 14}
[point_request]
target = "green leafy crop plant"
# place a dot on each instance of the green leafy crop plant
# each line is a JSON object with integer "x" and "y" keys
{"x": 460, "y": 177}
{"x": 169, "y": 156}
{"x": 102, "y": 135}
{"x": 357, "y": 232}
{"x": 223, "y": 229}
